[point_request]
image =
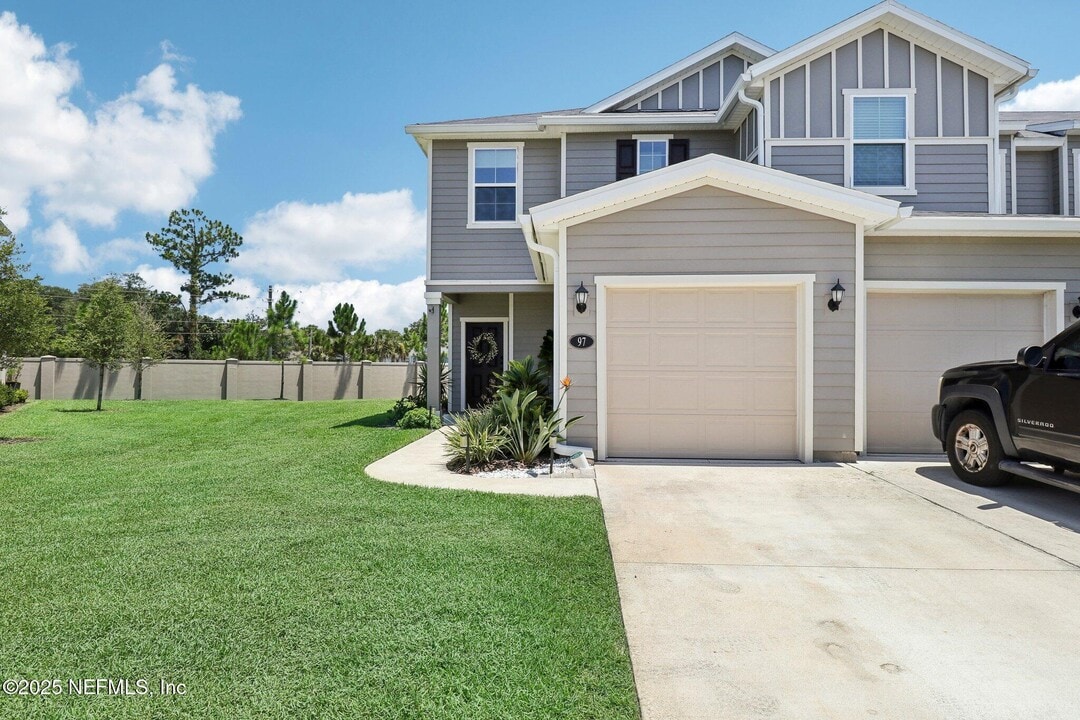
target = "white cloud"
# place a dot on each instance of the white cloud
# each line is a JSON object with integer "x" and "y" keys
{"x": 171, "y": 53}
{"x": 296, "y": 241}
{"x": 383, "y": 305}
{"x": 147, "y": 150}
{"x": 121, "y": 250}
{"x": 1052, "y": 95}
{"x": 66, "y": 252}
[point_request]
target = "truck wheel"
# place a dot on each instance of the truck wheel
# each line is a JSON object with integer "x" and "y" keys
{"x": 974, "y": 450}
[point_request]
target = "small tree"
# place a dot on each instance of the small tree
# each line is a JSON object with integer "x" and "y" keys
{"x": 25, "y": 322}
{"x": 148, "y": 344}
{"x": 102, "y": 332}
{"x": 342, "y": 327}
{"x": 193, "y": 243}
{"x": 280, "y": 326}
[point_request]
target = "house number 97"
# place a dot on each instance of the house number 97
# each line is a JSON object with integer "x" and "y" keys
{"x": 581, "y": 341}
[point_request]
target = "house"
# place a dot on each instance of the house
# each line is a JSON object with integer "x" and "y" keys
{"x": 707, "y": 214}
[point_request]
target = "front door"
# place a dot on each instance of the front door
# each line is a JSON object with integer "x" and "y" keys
{"x": 483, "y": 359}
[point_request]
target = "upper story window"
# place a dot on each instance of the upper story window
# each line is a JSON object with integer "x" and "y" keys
{"x": 645, "y": 153}
{"x": 494, "y": 184}
{"x": 881, "y": 156}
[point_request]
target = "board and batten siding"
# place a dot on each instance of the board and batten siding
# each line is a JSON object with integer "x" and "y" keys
{"x": 590, "y": 157}
{"x": 948, "y": 178}
{"x": 712, "y": 231}
{"x": 977, "y": 259}
{"x": 458, "y": 253}
{"x": 703, "y": 88}
{"x": 820, "y": 81}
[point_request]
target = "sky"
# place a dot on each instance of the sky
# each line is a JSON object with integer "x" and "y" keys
{"x": 286, "y": 120}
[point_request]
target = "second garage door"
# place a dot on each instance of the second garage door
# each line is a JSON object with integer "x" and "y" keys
{"x": 702, "y": 372}
{"x": 913, "y": 337}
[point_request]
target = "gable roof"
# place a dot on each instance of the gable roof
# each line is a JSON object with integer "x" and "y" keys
{"x": 738, "y": 43}
{"x": 722, "y": 172}
{"x": 999, "y": 65}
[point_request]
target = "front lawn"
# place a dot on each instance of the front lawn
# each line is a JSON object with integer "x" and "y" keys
{"x": 237, "y": 548}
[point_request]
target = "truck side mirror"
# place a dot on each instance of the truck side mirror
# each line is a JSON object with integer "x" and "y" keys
{"x": 1030, "y": 356}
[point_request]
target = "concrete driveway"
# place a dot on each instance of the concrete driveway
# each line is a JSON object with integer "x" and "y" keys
{"x": 883, "y": 589}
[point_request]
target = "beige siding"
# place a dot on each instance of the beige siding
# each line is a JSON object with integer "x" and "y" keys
{"x": 978, "y": 259}
{"x": 711, "y": 231}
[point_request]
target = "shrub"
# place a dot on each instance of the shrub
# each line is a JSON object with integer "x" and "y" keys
{"x": 21, "y": 396}
{"x": 7, "y": 396}
{"x": 475, "y": 438}
{"x": 403, "y": 406}
{"x": 524, "y": 376}
{"x": 529, "y": 424}
{"x": 419, "y": 418}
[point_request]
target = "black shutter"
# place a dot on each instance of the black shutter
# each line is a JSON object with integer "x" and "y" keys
{"x": 625, "y": 159}
{"x": 678, "y": 151}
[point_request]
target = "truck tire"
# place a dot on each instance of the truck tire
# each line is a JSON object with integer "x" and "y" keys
{"x": 974, "y": 449}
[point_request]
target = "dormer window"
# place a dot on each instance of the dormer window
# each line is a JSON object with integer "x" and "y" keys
{"x": 651, "y": 154}
{"x": 880, "y": 157}
{"x": 494, "y": 184}
{"x": 645, "y": 153}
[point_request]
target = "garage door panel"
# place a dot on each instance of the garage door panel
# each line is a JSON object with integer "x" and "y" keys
{"x": 677, "y": 306}
{"x": 628, "y": 348}
{"x": 675, "y": 349}
{"x": 627, "y": 306}
{"x": 713, "y": 374}
{"x": 913, "y": 337}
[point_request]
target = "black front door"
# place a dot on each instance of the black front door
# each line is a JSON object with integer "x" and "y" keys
{"x": 483, "y": 358}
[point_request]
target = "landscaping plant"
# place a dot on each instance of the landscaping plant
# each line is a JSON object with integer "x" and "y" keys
{"x": 419, "y": 418}
{"x": 525, "y": 376}
{"x": 475, "y": 438}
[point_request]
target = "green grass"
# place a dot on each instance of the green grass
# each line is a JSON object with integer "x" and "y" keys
{"x": 238, "y": 548}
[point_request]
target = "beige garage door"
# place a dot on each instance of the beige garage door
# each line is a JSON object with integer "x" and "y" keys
{"x": 913, "y": 337}
{"x": 702, "y": 373}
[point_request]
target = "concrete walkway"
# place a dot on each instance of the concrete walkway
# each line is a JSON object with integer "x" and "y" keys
{"x": 881, "y": 590}
{"x": 424, "y": 463}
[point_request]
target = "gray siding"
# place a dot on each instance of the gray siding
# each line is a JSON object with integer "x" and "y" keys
{"x": 1036, "y": 183}
{"x": 950, "y": 178}
{"x": 1074, "y": 145}
{"x": 978, "y": 259}
{"x": 706, "y": 231}
{"x": 826, "y": 99}
{"x": 714, "y": 80}
{"x": 458, "y": 253}
{"x": 795, "y": 103}
{"x": 820, "y": 162}
{"x": 532, "y": 319}
{"x": 1005, "y": 143}
{"x": 590, "y": 157}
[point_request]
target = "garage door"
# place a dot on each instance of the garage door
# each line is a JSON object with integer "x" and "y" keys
{"x": 702, "y": 373}
{"x": 913, "y": 337}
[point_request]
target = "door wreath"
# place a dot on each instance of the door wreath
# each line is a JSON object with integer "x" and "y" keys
{"x": 483, "y": 349}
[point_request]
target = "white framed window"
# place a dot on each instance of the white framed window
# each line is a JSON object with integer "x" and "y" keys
{"x": 652, "y": 152}
{"x": 495, "y": 185}
{"x": 880, "y": 155}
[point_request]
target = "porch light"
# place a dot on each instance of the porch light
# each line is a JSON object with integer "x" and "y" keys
{"x": 1076, "y": 310}
{"x": 581, "y": 296}
{"x": 837, "y": 296}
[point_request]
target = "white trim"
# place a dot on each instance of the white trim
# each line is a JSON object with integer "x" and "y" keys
{"x": 783, "y": 119}
{"x": 510, "y": 330}
{"x": 887, "y": 84}
{"x": 806, "y": 101}
{"x": 982, "y": 226}
{"x": 832, "y": 90}
{"x": 940, "y": 114}
{"x": 858, "y": 63}
{"x": 967, "y": 103}
{"x": 908, "y": 142}
{"x": 860, "y": 335}
{"x": 1012, "y": 175}
{"x": 1063, "y": 179}
{"x": 562, "y": 165}
{"x": 1053, "y": 317}
{"x": 561, "y": 339}
{"x": 701, "y": 87}
{"x": 430, "y": 203}
{"x": 1000, "y": 189}
{"x": 505, "y": 320}
{"x": 726, "y": 173}
{"x": 804, "y": 284}
{"x": 519, "y": 185}
{"x": 1076, "y": 182}
{"x": 467, "y": 283}
{"x": 732, "y": 42}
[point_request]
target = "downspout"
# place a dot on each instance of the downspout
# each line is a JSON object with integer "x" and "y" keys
{"x": 760, "y": 119}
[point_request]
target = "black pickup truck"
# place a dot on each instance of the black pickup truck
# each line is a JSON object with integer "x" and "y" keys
{"x": 993, "y": 418}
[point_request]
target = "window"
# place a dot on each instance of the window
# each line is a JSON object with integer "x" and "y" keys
{"x": 494, "y": 184}
{"x": 646, "y": 153}
{"x": 879, "y": 137}
{"x": 1067, "y": 355}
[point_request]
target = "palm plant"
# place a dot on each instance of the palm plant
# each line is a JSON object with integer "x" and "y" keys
{"x": 525, "y": 376}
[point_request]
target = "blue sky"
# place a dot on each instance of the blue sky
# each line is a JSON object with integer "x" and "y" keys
{"x": 297, "y": 120}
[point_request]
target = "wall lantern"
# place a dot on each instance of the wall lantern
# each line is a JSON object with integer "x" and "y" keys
{"x": 1076, "y": 310}
{"x": 837, "y": 293}
{"x": 581, "y": 296}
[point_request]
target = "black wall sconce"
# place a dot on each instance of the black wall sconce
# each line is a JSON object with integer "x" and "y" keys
{"x": 1076, "y": 310}
{"x": 837, "y": 296}
{"x": 581, "y": 297}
